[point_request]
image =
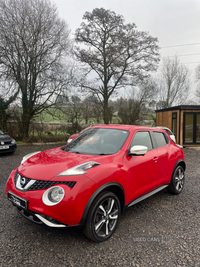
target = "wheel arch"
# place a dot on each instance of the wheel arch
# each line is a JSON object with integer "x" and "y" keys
{"x": 113, "y": 187}
{"x": 176, "y": 184}
{"x": 181, "y": 163}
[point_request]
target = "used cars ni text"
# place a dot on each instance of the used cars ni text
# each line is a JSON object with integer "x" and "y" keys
{"x": 93, "y": 179}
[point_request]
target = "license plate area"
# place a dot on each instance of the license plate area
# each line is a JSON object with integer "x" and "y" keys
{"x": 18, "y": 201}
{"x": 4, "y": 147}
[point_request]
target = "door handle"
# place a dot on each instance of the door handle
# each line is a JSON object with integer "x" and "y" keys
{"x": 155, "y": 159}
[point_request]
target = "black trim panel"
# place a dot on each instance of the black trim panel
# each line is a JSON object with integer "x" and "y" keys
{"x": 135, "y": 201}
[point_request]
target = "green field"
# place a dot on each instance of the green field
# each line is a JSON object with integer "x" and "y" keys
{"x": 54, "y": 115}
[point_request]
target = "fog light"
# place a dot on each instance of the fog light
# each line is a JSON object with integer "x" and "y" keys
{"x": 53, "y": 195}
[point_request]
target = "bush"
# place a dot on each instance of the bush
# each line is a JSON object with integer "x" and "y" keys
{"x": 45, "y": 138}
{"x": 42, "y": 132}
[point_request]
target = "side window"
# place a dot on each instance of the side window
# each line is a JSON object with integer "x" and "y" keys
{"x": 142, "y": 139}
{"x": 160, "y": 139}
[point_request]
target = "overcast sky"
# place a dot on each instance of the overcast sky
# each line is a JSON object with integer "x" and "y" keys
{"x": 175, "y": 23}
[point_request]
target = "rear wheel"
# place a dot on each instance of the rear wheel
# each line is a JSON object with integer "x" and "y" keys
{"x": 177, "y": 181}
{"x": 103, "y": 217}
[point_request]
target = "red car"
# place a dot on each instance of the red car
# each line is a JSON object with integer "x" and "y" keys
{"x": 90, "y": 181}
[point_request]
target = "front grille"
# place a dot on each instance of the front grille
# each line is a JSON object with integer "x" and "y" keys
{"x": 7, "y": 142}
{"x": 26, "y": 179}
{"x": 41, "y": 184}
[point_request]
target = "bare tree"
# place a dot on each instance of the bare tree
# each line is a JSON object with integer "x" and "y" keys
{"x": 147, "y": 91}
{"x": 115, "y": 54}
{"x": 33, "y": 45}
{"x": 91, "y": 109}
{"x": 86, "y": 109}
{"x": 130, "y": 109}
{"x": 173, "y": 82}
{"x": 197, "y": 93}
{"x": 70, "y": 111}
{"x": 4, "y": 104}
{"x": 6, "y": 101}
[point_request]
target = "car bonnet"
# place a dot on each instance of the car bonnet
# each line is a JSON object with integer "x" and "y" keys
{"x": 48, "y": 164}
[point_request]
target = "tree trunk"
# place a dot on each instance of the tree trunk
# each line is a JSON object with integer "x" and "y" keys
{"x": 105, "y": 111}
{"x": 3, "y": 120}
{"x": 24, "y": 126}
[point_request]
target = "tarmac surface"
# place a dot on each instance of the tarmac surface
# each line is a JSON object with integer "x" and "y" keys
{"x": 163, "y": 230}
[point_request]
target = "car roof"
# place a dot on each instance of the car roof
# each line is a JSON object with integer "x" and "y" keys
{"x": 165, "y": 128}
{"x": 126, "y": 127}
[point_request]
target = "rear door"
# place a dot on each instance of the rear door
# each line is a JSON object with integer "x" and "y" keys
{"x": 161, "y": 142}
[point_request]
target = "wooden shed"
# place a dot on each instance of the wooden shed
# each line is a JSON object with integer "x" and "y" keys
{"x": 184, "y": 121}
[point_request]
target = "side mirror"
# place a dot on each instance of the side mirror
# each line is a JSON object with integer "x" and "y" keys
{"x": 138, "y": 150}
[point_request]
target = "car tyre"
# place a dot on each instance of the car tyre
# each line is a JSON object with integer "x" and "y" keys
{"x": 103, "y": 217}
{"x": 177, "y": 181}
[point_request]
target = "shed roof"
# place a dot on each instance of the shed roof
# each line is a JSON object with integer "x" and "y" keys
{"x": 181, "y": 107}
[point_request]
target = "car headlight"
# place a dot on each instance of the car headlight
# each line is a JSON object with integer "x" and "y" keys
{"x": 53, "y": 195}
{"x": 80, "y": 169}
{"x": 28, "y": 156}
{"x": 13, "y": 141}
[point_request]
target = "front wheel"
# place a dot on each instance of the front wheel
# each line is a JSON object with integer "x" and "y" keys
{"x": 103, "y": 217}
{"x": 177, "y": 181}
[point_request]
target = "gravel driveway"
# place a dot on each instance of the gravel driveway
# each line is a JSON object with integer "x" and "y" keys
{"x": 163, "y": 230}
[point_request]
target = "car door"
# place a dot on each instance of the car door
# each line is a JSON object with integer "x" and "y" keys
{"x": 162, "y": 147}
{"x": 142, "y": 172}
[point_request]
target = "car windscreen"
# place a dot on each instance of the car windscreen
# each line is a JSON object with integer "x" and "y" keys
{"x": 1, "y": 132}
{"x": 98, "y": 141}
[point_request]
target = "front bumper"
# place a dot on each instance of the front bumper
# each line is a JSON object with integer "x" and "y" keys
{"x": 42, "y": 220}
{"x": 8, "y": 148}
{"x": 67, "y": 213}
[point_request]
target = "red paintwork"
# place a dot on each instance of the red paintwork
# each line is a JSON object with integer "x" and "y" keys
{"x": 73, "y": 136}
{"x": 137, "y": 175}
{"x": 48, "y": 164}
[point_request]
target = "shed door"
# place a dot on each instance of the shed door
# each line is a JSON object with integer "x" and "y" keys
{"x": 198, "y": 128}
{"x": 191, "y": 128}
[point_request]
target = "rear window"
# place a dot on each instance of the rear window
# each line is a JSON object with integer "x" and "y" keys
{"x": 161, "y": 139}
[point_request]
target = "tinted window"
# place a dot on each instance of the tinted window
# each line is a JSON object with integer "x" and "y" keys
{"x": 142, "y": 139}
{"x": 160, "y": 139}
